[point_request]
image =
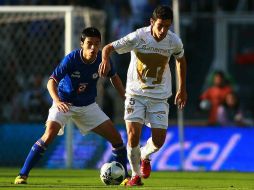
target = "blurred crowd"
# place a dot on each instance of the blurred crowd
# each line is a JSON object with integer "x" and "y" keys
{"x": 185, "y": 5}
{"x": 23, "y": 102}
{"x": 222, "y": 103}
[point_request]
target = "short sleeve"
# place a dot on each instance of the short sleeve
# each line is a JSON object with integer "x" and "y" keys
{"x": 178, "y": 50}
{"x": 61, "y": 70}
{"x": 127, "y": 43}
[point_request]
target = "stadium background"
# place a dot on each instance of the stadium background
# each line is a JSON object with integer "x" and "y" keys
{"x": 216, "y": 35}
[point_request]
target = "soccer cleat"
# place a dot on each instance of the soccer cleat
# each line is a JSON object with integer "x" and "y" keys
{"x": 134, "y": 181}
{"x": 124, "y": 182}
{"x": 128, "y": 177}
{"x": 145, "y": 168}
{"x": 20, "y": 180}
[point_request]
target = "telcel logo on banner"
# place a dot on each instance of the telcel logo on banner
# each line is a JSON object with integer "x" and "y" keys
{"x": 209, "y": 149}
{"x": 207, "y": 154}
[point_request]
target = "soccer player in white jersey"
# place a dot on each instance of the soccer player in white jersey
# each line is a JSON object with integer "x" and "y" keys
{"x": 72, "y": 87}
{"x": 149, "y": 86}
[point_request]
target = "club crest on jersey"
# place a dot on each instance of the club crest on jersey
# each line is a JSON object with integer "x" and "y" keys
{"x": 81, "y": 87}
{"x": 95, "y": 75}
{"x": 75, "y": 74}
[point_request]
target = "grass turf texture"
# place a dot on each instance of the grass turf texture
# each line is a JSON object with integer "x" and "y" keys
{"x": 42, "y": 179}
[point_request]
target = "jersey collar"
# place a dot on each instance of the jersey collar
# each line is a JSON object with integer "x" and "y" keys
{"x": 82, "y": 59}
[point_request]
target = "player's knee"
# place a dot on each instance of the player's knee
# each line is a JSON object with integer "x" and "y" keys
{"x": 52, "y": 129}
{"x": 158, "y": 143}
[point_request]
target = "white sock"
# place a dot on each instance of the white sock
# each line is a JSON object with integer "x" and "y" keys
{"x": 134, "y": 159}
{"x": 148, "y": 149}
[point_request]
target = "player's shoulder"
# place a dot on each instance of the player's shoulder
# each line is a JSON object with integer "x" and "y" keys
{"x": 173, "y": 37}
{"x": 143, "y": 34}
{"x": 144, "y": 31}
{"x": 74, "y": 54}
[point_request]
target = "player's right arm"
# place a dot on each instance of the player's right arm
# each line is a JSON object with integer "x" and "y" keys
{"x": 59, "y": 73}
{"x": 104, "y": 67}
{"x": 123, "y": 45}
{"x": 52, "y": 88}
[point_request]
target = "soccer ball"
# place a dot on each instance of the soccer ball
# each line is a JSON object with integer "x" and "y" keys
{"x": 205, "y": 105}
{"x": 112, "y": 173}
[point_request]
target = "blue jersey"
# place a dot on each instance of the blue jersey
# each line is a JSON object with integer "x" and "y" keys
{"x": 77, "y": 79}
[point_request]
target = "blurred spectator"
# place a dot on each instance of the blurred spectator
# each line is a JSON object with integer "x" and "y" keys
{"x": 36, "y": 100}
{"x": 137, "y": 8}
{"x": 230, "y": 113}
{"x": 214, "y": 96}
{"x": 11, "y": 84}
{"x": 123, "y": 24}
{"x": 142, "y": 10}
{"x": 148, "y": 10}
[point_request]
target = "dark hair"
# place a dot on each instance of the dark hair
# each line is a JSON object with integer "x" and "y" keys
{"x": 162, "y": 12}
{"x": 220, "y": 73}
{"x": 90, "y": 32}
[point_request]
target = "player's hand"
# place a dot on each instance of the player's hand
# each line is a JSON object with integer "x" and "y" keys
{"x": 104, "y": 68}
{"x": 181, "y": 99}
{"x": 63, "y": 106}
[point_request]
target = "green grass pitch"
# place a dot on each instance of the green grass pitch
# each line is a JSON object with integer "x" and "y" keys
{"x": 45, "y": 179}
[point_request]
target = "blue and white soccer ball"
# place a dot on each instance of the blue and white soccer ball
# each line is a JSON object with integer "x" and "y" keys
{"x": 112, "y": 173}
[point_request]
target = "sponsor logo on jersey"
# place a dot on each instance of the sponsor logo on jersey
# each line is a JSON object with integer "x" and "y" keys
{"x": 155, "y": 50}
{"x": 75, "y": 74}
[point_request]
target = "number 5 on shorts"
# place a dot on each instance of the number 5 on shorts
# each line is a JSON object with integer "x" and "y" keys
{"x": 132, "y": 101}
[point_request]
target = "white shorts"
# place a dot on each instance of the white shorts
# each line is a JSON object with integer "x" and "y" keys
{"x": 145, "y": 110}
{"x": 86, "y": 118}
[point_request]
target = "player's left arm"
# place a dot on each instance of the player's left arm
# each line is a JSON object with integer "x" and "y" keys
{"x": 118, "y": 85}
{"x": 181, "y": 95}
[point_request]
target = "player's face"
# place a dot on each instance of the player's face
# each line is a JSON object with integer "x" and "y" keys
{"x": 90, "y": 48}
{"x": 218, "y": 80}
{"x": 160, "y": 28}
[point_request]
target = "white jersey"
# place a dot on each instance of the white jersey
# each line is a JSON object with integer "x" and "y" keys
{"x": 149, "y": 73}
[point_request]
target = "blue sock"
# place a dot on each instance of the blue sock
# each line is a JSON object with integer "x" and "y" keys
{"x": 120, "y": 155}
{"x": 33, "y": 157}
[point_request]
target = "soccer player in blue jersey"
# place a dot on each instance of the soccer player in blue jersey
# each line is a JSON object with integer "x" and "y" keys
{"x": 72, "y": 87}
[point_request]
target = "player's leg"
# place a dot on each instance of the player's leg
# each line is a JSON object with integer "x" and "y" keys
{"x": 153, "y": 144}
{"x": 133, "y": 148}
{"x": 56, "y": 121}
{"x": 134, "y": 119}
{"x": 92, "y": 118}
{"x": 38, "y": 150}
{"x": 109, "y": 132}
{"x": 157, "y": 115}
{"x": 133, "y": 152}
